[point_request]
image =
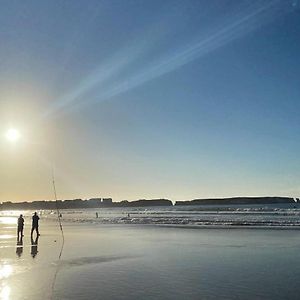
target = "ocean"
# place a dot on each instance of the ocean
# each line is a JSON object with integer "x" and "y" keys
{"x": 272, "y": 215}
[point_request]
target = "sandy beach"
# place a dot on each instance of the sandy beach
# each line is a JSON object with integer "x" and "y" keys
{"x": 165, "y": 137}
{"x": 149, "y": 262}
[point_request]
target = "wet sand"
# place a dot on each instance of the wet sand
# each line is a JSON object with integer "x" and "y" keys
{"x": 149, "y": 262}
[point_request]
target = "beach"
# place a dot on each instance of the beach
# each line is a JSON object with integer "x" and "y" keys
{"x": 113, "y": 261}
{"x": 154, "y": 145}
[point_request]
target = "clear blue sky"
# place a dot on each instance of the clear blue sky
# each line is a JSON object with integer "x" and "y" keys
{"x": 147, "y": 99}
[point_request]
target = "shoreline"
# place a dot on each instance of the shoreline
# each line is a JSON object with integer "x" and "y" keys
{"x": 129, "y": 223}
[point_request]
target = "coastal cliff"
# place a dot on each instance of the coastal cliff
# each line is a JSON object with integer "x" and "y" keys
{"x": 108, "y": 202}
{"x": 237, "y": 200}
{"x": 79, "y": 203}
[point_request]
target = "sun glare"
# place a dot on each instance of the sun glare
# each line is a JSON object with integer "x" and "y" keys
{"x": 4, "y": 292}
{"x": 8, "y": 220}
{"x": 12, "y": 135}
{"x": 5, "y": 271}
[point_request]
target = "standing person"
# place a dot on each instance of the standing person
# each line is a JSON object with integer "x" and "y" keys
{"x": 35, "y": 224}
{"x": 20, "y": 227}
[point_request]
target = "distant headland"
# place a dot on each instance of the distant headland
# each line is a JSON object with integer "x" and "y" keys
{"x": 108, "y": 202}
{"x": 239, "y": 200}
{"x": 80, "y": 203}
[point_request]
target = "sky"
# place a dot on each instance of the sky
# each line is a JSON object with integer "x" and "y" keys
{"x": 149, "y": 99}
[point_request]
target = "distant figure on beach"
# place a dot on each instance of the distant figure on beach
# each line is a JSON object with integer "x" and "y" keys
{"x": 34, "y": 246}
{"x": 20, "y": 227}
{"x": 35, "y": 224}
{"x": 96, "y": 215}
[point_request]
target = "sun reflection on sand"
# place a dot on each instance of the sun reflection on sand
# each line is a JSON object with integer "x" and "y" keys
{"x": 5, "y": 272}
{"x": 4, "y": 292}
{"x": 6, "y": 236}
{"x": 8, "y": 220}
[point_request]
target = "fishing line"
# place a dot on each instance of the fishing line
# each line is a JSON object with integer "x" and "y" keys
{"x": 62, "y": 233}
{"x": 58, "y": 216}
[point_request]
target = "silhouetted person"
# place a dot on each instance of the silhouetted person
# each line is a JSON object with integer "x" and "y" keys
{"x": 34, "y": 246}
{"x": 20, "y": 227}
{"x": 19, "y": 249}
{"x": 35, "y": 224}
{"x": 97, "y": 215}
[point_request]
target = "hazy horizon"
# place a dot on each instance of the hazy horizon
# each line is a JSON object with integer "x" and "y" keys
{"x": 143, "y": 99}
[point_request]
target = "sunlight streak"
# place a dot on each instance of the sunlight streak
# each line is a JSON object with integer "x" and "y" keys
{"x": 243, "y": 25}
{"x": 246, "y": 21}
{"x": 112, "y": 68}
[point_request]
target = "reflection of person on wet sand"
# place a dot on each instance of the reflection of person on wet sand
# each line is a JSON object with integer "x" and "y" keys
{"x": 20, "y": 227}
{"x": 34, "y": 246}
{"x": 35, "y": 224}
{"x": 19, "y": 249}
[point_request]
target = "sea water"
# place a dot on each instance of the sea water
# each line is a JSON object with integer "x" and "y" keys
{"x": 272, "y": 215}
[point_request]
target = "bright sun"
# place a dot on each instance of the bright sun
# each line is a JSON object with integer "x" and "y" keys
{"x": 12, "y": 135}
